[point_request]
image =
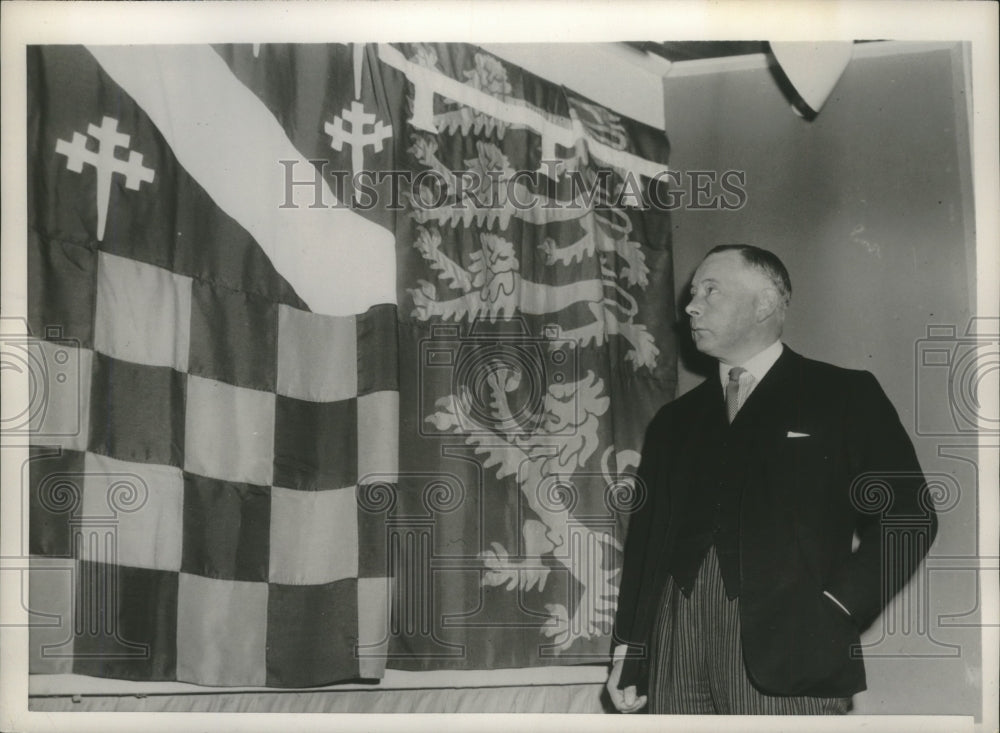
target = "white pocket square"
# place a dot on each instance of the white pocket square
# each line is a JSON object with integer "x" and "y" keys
{"x": 793, "y": 434}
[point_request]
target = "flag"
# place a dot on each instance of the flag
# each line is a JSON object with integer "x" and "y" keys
{"x": 535, "y": 304}
{"x": 235, "y": 384}
{"x": 359, "y": 342}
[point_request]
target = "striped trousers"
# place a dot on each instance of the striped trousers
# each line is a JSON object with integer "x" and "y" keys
{"x": 697, "y": 663}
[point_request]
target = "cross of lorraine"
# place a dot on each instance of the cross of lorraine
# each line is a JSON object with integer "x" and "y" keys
{"x": 105, "y": 162}
{"x": 357, "y": 138}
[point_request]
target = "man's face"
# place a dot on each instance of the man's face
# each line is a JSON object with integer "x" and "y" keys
{"x": 723, "y": 304}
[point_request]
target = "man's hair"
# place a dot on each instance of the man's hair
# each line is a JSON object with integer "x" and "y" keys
{"x": 764, "y": 261}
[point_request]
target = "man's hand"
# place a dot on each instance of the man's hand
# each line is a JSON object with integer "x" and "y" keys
{"x": 625, "y": 700}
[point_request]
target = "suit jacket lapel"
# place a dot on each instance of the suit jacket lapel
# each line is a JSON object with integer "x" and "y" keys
{"x": 702, "y": 437}
{"x": 763, "y": 410}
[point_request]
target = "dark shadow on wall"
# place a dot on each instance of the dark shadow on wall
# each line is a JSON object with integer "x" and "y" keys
{"x": 787, "y": 89}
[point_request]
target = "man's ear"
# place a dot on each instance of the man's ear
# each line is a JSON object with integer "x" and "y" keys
{"x": 767, "y": 303}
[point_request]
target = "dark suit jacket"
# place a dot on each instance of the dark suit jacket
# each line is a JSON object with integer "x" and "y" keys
{"x": 804, "y": 501}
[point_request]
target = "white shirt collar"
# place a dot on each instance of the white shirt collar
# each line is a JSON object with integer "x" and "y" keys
{"x": 757, "y": 365}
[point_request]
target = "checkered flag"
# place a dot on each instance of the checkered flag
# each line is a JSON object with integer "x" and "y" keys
{"x": 206, "y": 478}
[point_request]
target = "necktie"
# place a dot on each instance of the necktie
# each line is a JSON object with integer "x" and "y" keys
{"x": 733, "y": 391}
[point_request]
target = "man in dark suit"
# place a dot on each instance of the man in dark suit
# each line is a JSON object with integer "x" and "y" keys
{"x": 763, "y": 550}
